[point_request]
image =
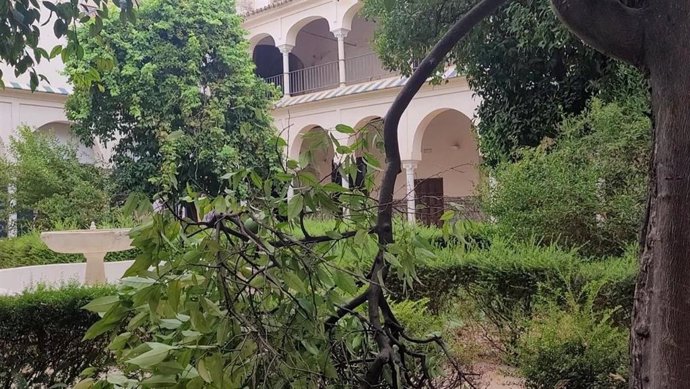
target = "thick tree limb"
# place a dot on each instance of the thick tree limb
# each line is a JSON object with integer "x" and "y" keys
{"x": 384, "y": 225}
{"x": 607, "y": 25}
{"x": 402, "y": 101}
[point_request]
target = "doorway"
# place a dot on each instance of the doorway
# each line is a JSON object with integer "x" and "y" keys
{"x": 429, "y": 200}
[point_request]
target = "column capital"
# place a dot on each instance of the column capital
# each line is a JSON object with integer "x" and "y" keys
{"x": 410, "y": 164}
{"x": 340, "y": 33}
{"x": 286, "y": 48}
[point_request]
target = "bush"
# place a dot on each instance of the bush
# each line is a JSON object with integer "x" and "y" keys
{"x": 41, "y": 337}
{"x": 575, "y": 348}
{"x": 53, "y": 185}
{"x": 506, "y": 279}
{"x": 29, "y": 250}
{"x": 587, "y": 191}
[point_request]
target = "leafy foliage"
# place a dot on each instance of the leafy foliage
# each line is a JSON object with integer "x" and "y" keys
{"x": 180, "y": 72}
{"x": 585, "y": 191}
{"x": 51, "y": 182}
{"x": 574, "y": 347}
{"x": 240, "y": 299}
{"x": 528, "y": 70}
{"x": 20, "y": 23}
{"x": 41, "y": 337}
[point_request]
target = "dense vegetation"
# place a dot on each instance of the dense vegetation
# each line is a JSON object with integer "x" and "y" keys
{"x": 41, "y": 337}
{"x": 586, "y": 190}
{"x": 182, "y": 68}
{"x": 519, "y": 292}
{"x": 52, "y": 187}
{"x": 528, "y": 69}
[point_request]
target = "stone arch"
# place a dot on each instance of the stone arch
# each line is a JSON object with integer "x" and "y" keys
{"x": 445, "y": 146}
{"x": 423, "y": 126}
{"x": 295, "y": 28}
{"x": 349, "y": 15}
{"x": 63, "y": 134}
{"x": 315, "y": 141}
{"x": 260, "y": 37}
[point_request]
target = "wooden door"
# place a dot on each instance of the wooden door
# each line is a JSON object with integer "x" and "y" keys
{"x": 429, "y": 200}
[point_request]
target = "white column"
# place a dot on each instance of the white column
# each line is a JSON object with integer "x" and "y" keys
{"x": 285, "y": 50}
{"x": 341, "y": 34}
{"x": 338, "y": 159}
{"x": 410, "y": 167}
{"x": 12, "y": 220}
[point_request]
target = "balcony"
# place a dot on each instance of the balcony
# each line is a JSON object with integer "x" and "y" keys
{"x": 358, "y": 69}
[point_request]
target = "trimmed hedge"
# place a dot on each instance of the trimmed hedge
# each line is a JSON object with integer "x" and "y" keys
{"x": 29, "y": 250}
{"x": 41, "y": 337}
{"x": 506, "y": 279}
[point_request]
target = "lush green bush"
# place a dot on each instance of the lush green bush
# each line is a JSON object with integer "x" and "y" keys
{"x": 29, "y": 250}
{"x": 41, "y": 337}
{"x": 586, "y": 191}
{"x": 575, "y": 347}
{"x": 53, "y": 185}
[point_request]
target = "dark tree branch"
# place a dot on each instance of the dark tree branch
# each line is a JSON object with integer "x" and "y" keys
{"x": 384, "y": 222}
{"x": 402, "y": 101}
{"x": 607, "y": 25}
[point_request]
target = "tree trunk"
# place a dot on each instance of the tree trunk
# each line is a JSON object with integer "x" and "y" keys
{"x": 661, "y": 324}
{"x": 655, "y": 36}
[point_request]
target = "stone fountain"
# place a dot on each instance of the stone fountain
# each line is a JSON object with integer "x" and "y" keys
{"x": 93, "y": 243}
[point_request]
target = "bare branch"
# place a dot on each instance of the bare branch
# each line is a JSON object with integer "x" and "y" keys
{"x": 607, "y": 25}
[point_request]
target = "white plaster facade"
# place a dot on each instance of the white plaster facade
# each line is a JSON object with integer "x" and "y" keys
{"x": 319, "y": 52}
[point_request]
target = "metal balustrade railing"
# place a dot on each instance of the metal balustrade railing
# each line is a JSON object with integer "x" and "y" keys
{"x": 366, "y": 67}
{"x": 361, "y": 68}
{"x": 314, "y": 78}
{"x": 276, "y": 80}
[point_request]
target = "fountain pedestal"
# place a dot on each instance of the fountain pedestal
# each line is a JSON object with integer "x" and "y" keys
{"x": 94, "y": 244}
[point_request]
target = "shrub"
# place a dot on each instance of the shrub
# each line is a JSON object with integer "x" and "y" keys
{"x": 587, "y": 191}
{"x": 574, "y": 347}
{"x": 506, "y": 279}
{"x": 29, "y": 250}
{"x": 53, "y": 185}
{"x": 41, "y": 337}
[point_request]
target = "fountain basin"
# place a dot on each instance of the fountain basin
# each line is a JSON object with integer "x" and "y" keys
{"x": 88, "y": 241}
{"x": 93, "y": 243}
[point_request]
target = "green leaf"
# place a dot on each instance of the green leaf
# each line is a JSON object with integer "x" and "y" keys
{"x": 160, "y": 380}
{"x": 344, "y": 129}
{"x": 447, "y": 215}
{"x": 137, "y": 282}
{"x": 345, "y": 282}
{"x": 157, "y": 354}
{"x": 203, "y": 371}
{"x": 294, "y": 282}
{"x": 101, "y": 304}
{"x": 110, "y": 320}
{"x": 295, "y": 206}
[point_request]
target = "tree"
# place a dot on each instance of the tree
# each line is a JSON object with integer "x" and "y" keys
{"x": 181, "y": 68}
{"x": 20, "y": 23}
{"x": 528, "y": 70}
{"x": 650, "y": 35}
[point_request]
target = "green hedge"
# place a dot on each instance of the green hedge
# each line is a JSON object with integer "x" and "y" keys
{"x": 29, "y": 250}
{"x": 41, "y": 336}
{"x": 506, "y": 279}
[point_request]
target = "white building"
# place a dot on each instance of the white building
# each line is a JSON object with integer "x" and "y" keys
{"x": 319, "y": 52}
